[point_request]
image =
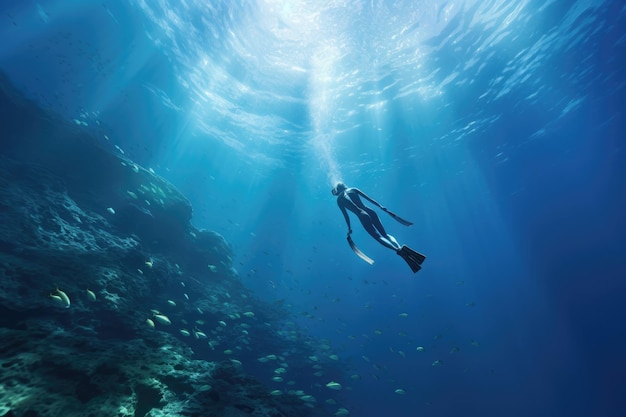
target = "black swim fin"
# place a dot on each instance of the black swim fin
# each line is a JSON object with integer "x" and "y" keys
{"x": 413, "y": 259}
{"x": 398, "y": 218}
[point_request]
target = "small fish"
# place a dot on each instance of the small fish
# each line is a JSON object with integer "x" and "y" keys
{"x": 334, "y": 385}
{"x": 162, "y": 319}
{"x": 65, "y": 300}
{"x": 199, "y": 334}
{"x": 91, "y": 295}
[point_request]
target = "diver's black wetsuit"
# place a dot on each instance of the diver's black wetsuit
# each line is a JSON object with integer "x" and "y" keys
{"x": 350, "y": 199}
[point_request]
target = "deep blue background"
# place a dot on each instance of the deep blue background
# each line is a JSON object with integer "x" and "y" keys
{"x": 514, "y": 175}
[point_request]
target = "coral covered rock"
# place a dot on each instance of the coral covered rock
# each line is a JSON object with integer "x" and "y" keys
{"x": 112, "y": 303}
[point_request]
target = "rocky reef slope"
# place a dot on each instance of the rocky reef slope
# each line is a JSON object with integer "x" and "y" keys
{"x": 111, "y": 302}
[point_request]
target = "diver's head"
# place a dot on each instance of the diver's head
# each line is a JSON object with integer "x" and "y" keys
{"x": 338, "y": 188}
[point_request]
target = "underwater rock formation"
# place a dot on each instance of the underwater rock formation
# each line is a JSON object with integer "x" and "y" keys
{"x": 111, "y": 302}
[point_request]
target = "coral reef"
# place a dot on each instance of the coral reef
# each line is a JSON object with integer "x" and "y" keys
{"x": 49, "y": 370}
{"x": 111, "y": 302}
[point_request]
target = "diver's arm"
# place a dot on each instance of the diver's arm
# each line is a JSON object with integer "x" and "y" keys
{"x": 371, "y": 200}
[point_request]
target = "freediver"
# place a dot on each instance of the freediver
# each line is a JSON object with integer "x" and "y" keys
{"x": 350, "y": 199}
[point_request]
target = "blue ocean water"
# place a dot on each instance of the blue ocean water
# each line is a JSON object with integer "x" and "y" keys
{"x": 496, "y": 127}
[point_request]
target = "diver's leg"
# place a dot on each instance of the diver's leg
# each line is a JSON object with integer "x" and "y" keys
{"x": 393, "y": 240}
{"x": 369, "y": 228}
{"x": 375, "y": 220}
{"x": 381, "y": 229}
